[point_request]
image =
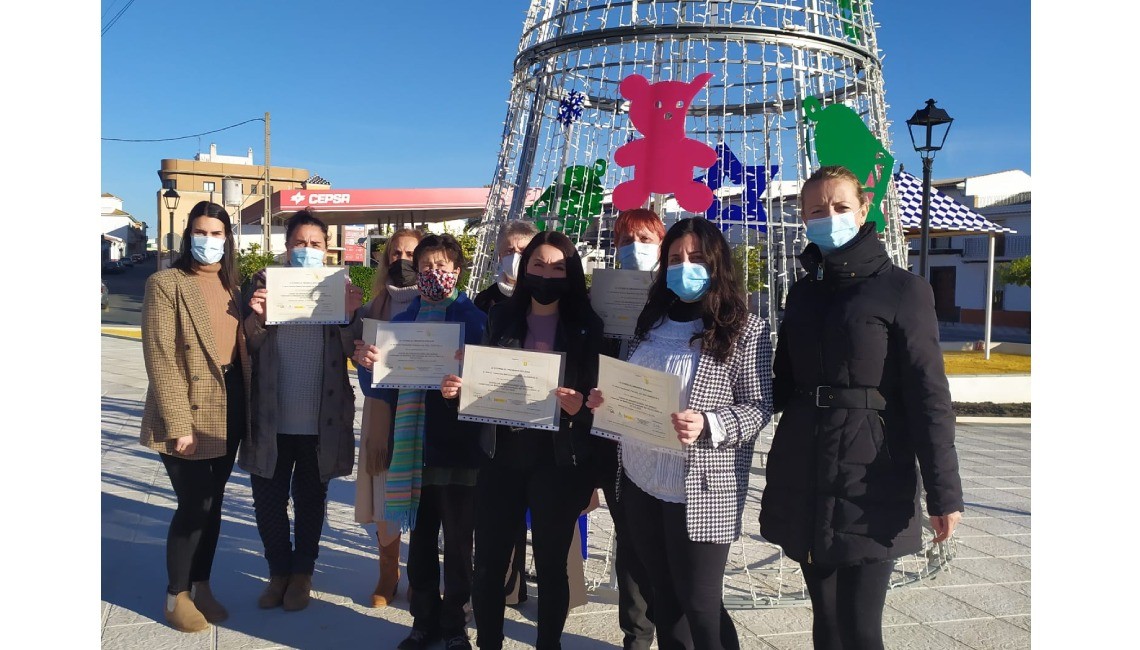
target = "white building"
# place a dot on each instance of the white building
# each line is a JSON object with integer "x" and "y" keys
{"x": 958, "y": 264}
{"x": 122, "y": 226}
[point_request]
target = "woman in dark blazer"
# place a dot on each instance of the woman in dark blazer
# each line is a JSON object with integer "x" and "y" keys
{"x": 546, "y": 471}
{"x": 684, "y": 511}
{"x": 860, "y": 382}
{"x": 195, "y": 414}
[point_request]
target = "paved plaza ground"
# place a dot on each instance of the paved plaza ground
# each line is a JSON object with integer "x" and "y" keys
{"x": 980, "y": 600}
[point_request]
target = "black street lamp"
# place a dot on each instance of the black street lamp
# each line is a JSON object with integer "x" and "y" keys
{"x": 170, "y": 198}
{"x": 932, "y": 119}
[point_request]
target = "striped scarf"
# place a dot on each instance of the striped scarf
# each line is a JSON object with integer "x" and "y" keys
{"x": 405, "y": 476}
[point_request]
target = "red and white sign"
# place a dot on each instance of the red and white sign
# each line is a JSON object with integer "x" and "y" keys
{"x": 401, "y": 199}
{"x": 353, "y": 253}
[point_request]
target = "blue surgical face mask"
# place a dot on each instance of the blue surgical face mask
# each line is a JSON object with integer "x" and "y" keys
{"x": 307, "y": 257}
{"x": 638, "y": 256}
{"x": 829, "y": 233}
{"x": 207, "y": 250}
{"x": 688, "y": 281}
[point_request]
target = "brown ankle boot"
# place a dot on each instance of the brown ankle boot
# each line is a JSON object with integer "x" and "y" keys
{"x": 389, "y": 583}
{"x": 184, "y": 616}
{"x": 274, "y": 592}
{"x": 206, "y": 603}
{"x": 297, "y": 593}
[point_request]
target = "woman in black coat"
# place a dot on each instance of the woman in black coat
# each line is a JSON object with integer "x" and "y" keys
{"x": 549, "y": 472}
{"x": 859, "y": 378}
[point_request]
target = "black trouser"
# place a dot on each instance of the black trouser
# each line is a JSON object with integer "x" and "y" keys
{"x": 687, "y": 577}
{"x": 297, "y": 470}
{"x": 199, "y": 486}
{"x": 847, "y": 604}
{"x": 453, "y": 508}
{"x": 556, "y": 496}
{"x": 635, "y": 611}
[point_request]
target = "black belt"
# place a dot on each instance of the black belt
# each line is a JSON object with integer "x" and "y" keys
{"x": 851, "y": 398}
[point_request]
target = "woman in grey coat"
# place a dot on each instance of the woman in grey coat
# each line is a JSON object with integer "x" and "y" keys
{"x": 301, "y": 414}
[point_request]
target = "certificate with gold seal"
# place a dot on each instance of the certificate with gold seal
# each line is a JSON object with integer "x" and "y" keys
{"x": 413, "y": 355}
{"x": 618, "y": 296}
{"x": 511, "y": 386}
{"x": 305, "y": 296}
{"x": 637, "y": 406}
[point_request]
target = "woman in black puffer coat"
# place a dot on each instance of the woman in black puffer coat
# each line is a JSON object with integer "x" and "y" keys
{"x": 858, "y": 375}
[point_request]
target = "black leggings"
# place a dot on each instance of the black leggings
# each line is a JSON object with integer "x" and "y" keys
{"x": 847, "y": 604}
{"x": 686, "y": 577}
{"x": 199, "y": 486}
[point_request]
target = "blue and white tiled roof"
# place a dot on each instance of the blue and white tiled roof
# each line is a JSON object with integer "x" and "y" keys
{"x": 946, "y": 214}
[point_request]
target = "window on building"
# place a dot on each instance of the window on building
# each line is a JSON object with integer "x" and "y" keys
{"x": 207, "y": 186}
{"x": 169, "y": 184}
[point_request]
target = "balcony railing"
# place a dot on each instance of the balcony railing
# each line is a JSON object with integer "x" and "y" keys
{"x": 1006, "y": 247}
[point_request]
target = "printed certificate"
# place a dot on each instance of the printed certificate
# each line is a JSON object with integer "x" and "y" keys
{"x": 510, "y": 386}
{"x": 618, "y": 296}
{"x": 305, "y": 296}
{"x": 638, "y": 403}
{"x": 413, "y": 355}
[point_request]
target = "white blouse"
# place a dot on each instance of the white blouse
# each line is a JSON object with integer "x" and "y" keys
{"x": 666, "y": 348}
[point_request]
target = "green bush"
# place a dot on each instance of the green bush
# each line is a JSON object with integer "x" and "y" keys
{"x": 253, "y": 260}
{"x": 757, "y": 269}
{"x": 362, "y": 276}
{"x": 1015, "y": 272}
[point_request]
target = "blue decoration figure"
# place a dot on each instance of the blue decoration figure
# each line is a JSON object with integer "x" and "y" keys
{"x": 754, "y": 180}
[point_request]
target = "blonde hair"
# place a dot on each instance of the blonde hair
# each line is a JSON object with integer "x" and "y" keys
{"x": 380, "y": 280}
{"x": 835, "y": 172}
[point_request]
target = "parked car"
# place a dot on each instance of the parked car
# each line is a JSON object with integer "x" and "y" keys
{"x": 136, "y": 258}
{"x": 113, "y": 266}
{"x": 105, "y": 300}
{"x": 127, "y": 262}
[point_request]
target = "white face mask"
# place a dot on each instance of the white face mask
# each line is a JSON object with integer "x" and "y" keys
{"x": 639, "y": 256}
{"x": 207, "y": 250}
{"x": 509, "y": 266}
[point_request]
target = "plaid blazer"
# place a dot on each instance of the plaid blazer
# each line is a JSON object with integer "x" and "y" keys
{"x": 187, "y": 391}
{"x": 739, "y": 392}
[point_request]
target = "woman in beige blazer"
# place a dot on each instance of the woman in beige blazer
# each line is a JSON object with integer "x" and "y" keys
{"x": 195, "y": 414}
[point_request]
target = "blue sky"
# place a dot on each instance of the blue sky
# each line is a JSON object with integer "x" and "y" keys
{"x": 413, "y": 94}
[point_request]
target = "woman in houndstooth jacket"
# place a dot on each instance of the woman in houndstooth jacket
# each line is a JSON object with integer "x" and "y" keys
{"x": 684, "y": 512}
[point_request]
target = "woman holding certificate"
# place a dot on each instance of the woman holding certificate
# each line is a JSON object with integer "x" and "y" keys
{"x": 860, "y": 382}
{"x": 435, "y": 458}
{"x": 195, "y": 414}
{"x": 301, "y": 429}
{"x": 546, "y": 471}
{"x": 393, "y": 289}
{"x": 684, "y": 510}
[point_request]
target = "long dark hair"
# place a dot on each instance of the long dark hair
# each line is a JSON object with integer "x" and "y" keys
{"x": 574, "y": 304}
{"x": 186, "y": 261}
{"x": 724, "y": 312}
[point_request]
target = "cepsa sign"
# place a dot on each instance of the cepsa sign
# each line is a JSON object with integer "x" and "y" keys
{"x": 319, "y": 198}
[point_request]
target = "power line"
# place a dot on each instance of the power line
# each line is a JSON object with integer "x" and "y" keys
{"x": 117, "y": 16}
{"x": 186, "y": 137}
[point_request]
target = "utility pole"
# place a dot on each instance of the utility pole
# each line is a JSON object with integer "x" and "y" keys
{"x": 265, "y": 192}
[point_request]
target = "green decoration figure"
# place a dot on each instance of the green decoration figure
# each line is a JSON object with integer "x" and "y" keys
{"x": 841, "y": 138}
{"x": 851, "y": 13}
{"x": 580, "y": 194}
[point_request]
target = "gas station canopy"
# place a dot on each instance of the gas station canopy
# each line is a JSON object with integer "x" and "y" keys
{"x": 397, "y": 207}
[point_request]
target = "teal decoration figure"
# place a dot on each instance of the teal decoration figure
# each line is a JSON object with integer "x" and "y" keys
{"x": 579, "y": 197}
{"x": 841, "y": 138}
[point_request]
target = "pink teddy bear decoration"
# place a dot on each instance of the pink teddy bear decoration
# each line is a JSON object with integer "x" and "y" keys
{"x": 664, "y": 159}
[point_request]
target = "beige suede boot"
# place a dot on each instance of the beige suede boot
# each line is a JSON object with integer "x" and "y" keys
{"x": 389, "y": 583}
{"x": 183, "y": 615}
{"x": 297, "y": 593}
{"x": 206, "y": 603}
{"x": 274, "y": 592}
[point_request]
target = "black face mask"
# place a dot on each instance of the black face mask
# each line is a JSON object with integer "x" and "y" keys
{"x": 401, "y": 274}
{"x": 545, "y": 290}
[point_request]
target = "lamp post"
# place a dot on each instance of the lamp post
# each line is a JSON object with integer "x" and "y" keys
{"x": 930, "y": 119}
{"x": 170, "y": 198}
